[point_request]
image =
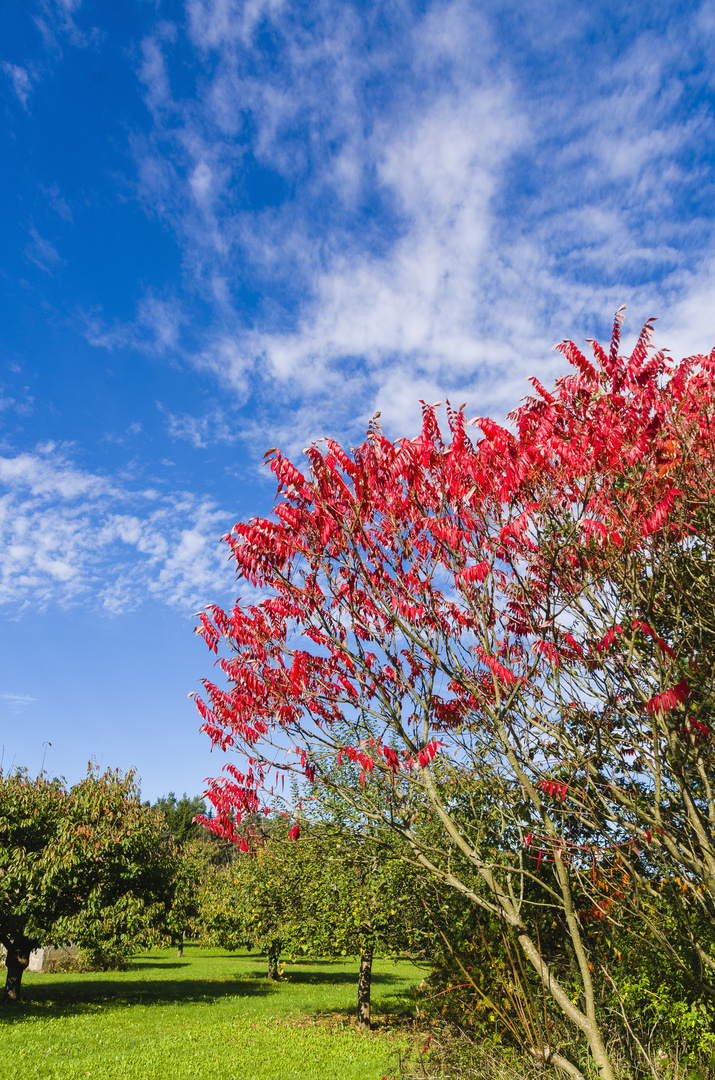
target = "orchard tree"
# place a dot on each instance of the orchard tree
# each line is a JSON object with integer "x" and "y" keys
{"x": 193, "y": 867}
{"x": 321, "y": 892}
{"x": 197, "y": 850}
{"x": 87, "y": 865}
{"x": 248, "y": 903}
{"x": 356, "y": 899}
{"x": 498, "y": 628}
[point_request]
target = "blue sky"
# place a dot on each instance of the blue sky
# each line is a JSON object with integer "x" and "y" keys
{"x": 233, "y": 225}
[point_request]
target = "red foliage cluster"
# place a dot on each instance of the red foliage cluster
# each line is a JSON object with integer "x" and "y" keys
{"x": 454, "y": 556}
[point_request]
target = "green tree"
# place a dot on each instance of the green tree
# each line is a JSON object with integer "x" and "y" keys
{"x": 198, "y": 849}
{"x": 180, "y": 816}
{"x": 193, "y": 865}
{"x": 328, "y": 892}
{"x": 88, "y": 864}
{"x": 250, "y": 902}
{"x": 356, "y": 899}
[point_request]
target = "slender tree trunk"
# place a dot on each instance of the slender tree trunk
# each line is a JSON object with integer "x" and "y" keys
{"x": 274, "y": 952}
{"x": 17, "y": 959}
{"x": 364, "y": 980}
{"x": 180, "y": 947}
{"x": 587, "y": 1024}
{"x": 586, "y": 1021}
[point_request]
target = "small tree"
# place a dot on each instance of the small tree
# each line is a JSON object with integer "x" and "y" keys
{"x": 248, "y": 902}
{"x": 194, "y": 865}
{"x": 324, "y": 893}
{"x": 198, "y": 849}
{"x": 356, "y": 899}
{"x": 359, "y": 894}
{"x": 88, "y": 865}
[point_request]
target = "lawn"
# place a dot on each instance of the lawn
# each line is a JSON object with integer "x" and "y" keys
{"x": 211, "y": 1015}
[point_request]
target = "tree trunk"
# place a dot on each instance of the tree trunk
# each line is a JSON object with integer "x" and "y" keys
{"x": 274, "y": 952}
{"x": 17, "y": 959}
{"x": 364, "y": 980}
{"x": 180, "y": 947}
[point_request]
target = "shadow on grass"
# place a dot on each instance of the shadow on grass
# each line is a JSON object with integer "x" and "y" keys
{"x": 163, "y": 965}
{"x": 305, "y": 960}
{"x": 387, "y": 1014}
{"x": 308, "y": 960}
{"x": 57, "y": 996}
{"x": 63, "y": 998}
{"x": 342, "y": 978}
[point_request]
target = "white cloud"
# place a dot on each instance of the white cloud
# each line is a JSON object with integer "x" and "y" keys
{"x": 215, "y": 22}
{"x": 415, "y": 212}
{"x": 21, "y": 81}
{"x": 153, "y": 71}
{"x": 156, "y": 327}
{"x": 20, "y": 408}
{"x": 70, "y": 535}
{"x": 200, "y": 182}
{"x": 417, "y": 302}
{"x": 688, "y": 327}
{"x": 159, "y": 322}
{"x": 213, "y": 427}
{"x": 57, "y": 22}
{"x": 16, "y": 703}
{"x": 57, "y": 202}
{"x": 48, "y": 474}
{"x": 41, "y": 252}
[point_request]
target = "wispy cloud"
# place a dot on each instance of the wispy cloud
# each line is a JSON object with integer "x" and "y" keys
{"x": 23, "y": 407}
{"x": 57, "y": 23}
{"x": 155, "y": 329}
{"x": 70, "y": 535}
{"x": 16, "y": 703}
{"x": 57, "y": 202}
{"x": 411, "y": 209}
{"x": 21, "y": 81}
{"x": 201, "y": 431}
{"x": 41, "y": 252}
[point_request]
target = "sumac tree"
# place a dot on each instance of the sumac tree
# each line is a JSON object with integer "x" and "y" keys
{"x": 496, "y": 632}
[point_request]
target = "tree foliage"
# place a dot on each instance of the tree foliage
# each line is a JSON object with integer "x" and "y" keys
{"x": 88, "y": 864}
{"x": 198, "y": 850}
{"x": 500, "y": 633}
{"x": 180, "y": 815}
{"x": 331, "y": 893}
{"x": 182, "y": 819}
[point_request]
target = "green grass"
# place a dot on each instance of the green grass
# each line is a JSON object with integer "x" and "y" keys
{"x": 210, "y": 1016}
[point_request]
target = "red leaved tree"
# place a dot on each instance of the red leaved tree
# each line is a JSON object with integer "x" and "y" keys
{"x": 486, "y": 647}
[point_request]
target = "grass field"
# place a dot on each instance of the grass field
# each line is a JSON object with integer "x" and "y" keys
{"x": 211, "y": 1015}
